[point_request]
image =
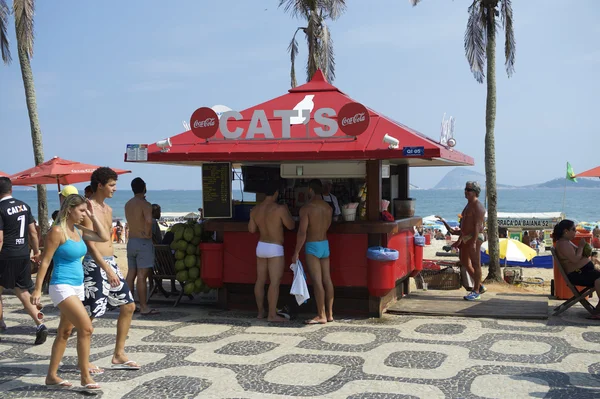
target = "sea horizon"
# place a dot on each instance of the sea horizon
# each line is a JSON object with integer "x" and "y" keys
{"x": 580, "y": 204}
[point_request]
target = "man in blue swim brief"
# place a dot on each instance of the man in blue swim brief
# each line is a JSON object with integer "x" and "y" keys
{"x": 315, "y": 219}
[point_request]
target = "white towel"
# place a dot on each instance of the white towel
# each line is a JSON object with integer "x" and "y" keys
{"x": 299, "y": 287}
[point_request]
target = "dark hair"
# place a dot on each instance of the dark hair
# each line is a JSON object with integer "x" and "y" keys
{"x": 5, "y": 185}
{"x": 316, "y": 186}
{"x": 271, "y": 187}
{"x": 88, "y": 188}
{"x": 155, "y": 210}
{"x": 560, "y": 227}
{"x": 138, "y": 185}
{"x": 525, "y": 233}
{"x": 102, "y": 176}
{"x": 54, "y": 215}
{"x": 594, "y": 253}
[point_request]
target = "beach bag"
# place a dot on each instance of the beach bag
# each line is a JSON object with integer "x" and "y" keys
{"x": 299, "y": 288}
{"x": 382, "y": 254}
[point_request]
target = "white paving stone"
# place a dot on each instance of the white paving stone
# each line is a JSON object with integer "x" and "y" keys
{"x": 504, "y": 386}
{"x": 349, "y": 338}
{"x": 302, "y": 374}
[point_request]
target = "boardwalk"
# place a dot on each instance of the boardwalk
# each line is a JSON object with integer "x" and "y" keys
{"x": 193, "y": 352}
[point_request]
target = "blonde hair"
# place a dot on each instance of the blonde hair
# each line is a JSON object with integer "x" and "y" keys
{"x": 72, "y": 201}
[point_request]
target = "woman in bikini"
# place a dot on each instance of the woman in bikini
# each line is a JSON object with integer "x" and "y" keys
{"x": 66, "y": 247}
{"x": 579, "y": 269}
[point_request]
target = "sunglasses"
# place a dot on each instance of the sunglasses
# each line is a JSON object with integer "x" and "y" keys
{"x": 470, "y": 190}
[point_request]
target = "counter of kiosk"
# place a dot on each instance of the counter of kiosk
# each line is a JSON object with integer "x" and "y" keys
{"x": 231, "y": 264}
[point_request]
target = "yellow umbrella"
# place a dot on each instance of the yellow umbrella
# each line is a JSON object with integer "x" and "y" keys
{"x": 513, "y": 250}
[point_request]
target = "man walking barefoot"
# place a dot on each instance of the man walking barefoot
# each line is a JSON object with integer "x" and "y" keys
{"x": 268, "y": 218}
{"x": 140, "y": 251}
{"x": 103, "y": 282}
{"x": 315, "y": 219}
{"x": 17, "y": 234}
{"x": 471, "y": 226}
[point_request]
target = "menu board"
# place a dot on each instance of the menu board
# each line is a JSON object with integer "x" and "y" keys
{"x": 216, "y": 190}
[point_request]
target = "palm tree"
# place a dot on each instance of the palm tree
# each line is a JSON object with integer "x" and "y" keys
{"x": 480, "y": 46}
{"x": 23, "y": 11}
{"x": 318, "y": 37}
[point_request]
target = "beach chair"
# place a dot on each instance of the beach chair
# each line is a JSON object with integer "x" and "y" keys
{"x": 578, "y": 296}
{"x": 164, "y": 268}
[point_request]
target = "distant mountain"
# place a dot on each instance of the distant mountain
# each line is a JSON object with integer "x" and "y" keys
{"x": 582, "y": 182}
{"x": 457, "y": 177}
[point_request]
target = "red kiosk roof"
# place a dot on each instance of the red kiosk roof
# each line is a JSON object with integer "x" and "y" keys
{"x": 304, "y": 144}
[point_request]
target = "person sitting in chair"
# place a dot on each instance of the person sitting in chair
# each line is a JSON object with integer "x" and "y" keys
{"x": 579, "y": 269}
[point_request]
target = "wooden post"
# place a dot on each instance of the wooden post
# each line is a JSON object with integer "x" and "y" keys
{"x": 403, "y": 182}
{"x": 373, "y": 190}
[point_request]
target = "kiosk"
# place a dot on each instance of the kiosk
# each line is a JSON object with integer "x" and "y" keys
{"x": 313, "y": 131}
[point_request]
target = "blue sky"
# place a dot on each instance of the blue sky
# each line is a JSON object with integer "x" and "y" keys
{"x": 112, "y": 73}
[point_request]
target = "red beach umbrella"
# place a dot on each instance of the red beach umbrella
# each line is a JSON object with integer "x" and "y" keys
{"x": 59, "y": 171}
{"x": 2, "y": 174}
{"x": 594, "y": 172}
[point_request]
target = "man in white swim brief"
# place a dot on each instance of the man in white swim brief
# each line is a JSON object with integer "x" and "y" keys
{"x": 268, "y": 219}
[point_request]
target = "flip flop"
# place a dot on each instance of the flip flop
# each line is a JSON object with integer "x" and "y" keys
{"x": 96, "y": 371}
{"x": 95, "y": 387}
{"x": 64, "y": 384}
{"x": 128, "y": 365}
{"x": 329, "y": 320}
{"x": 313, "y": 322}
{"x": 152, "y": 312}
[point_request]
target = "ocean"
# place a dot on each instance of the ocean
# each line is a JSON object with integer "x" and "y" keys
{"x": 580, "y": 204}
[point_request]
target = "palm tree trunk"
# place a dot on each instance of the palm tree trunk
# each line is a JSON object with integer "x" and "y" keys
{"x": 36, "y": 134}
{"x": 313, "y": 49}
{"x": 494, "y": 272}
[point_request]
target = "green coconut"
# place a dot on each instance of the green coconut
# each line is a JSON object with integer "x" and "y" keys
{"x": 179, "y": 265}
{"x": 182, "y": 276}
{"x": 190, "y": 261}
{"x": 182, "y": 245}
{"x": 191, "y": 249}
{"x": 188, "y": 289}
{"x": 174, "y": 245}
{"x": 197, "y": 230}
{"x": 188, "y": 234}
{"x": 194, "y": 273}
{"x": 196, "y": 240}
{"x": 179, "y": 254}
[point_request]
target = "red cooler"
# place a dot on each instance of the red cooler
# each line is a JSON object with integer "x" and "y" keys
{"x": 427, "y": 238}
{"x": 212, "y": 264}
{"x": 418, "y": 260}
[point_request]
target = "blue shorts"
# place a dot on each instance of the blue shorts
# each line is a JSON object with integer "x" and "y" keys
{"x": 318, "y": 249}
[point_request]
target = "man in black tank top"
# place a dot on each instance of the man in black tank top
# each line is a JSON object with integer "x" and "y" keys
{"x": 17, "y": 234}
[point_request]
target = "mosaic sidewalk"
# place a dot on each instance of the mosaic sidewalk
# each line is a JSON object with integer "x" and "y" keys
{"x": 191, "y": 352}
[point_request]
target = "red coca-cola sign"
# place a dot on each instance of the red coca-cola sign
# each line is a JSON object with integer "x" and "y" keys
{"x": 204, "y": 122}
{"x": 353, "y": 119}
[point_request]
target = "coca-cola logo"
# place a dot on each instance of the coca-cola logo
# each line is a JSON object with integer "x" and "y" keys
{"x": 353, "y": 119}
{"x": 204, "y": 122}
{"x": 359, "y": 117}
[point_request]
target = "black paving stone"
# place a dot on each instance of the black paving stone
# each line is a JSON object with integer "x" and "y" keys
{"x": 441, "y": 329}
{"x": 172, "y": 387}
{"x": 247, "y": 348}
{"x": 424, "y": 360}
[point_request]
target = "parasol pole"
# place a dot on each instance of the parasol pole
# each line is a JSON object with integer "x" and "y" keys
{"x": 58, "y": 185}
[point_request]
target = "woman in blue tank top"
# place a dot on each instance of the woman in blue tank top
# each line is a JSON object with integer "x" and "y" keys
{"x": 66, "y": 247}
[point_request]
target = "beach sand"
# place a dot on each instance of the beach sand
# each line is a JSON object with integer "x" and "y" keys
{"x": 429, "y": 252}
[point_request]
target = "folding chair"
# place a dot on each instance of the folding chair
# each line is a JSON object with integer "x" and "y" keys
{"x": 164, "y": 268}
{"x": 578, "y": 296}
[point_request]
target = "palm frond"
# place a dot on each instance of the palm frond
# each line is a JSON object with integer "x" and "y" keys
{"x": 476, "y": 40}
{"x": 506, "y": 14}
{"x": 4, "y": 44}
{"x": 24, "y": 11}
{"x": 293, "y": 50}
{"x": 326, "y": 54}
{"x": 332, "y": 9}
{"x": 297, "y": 8}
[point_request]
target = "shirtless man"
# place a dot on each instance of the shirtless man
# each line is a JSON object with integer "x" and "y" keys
{"x": 471, "y": 228}
{"x": 315, "y": 219}
{"x": 268, "y": 218}
{"x": 140, "y": 251}
{"x": 103, "y": 281}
